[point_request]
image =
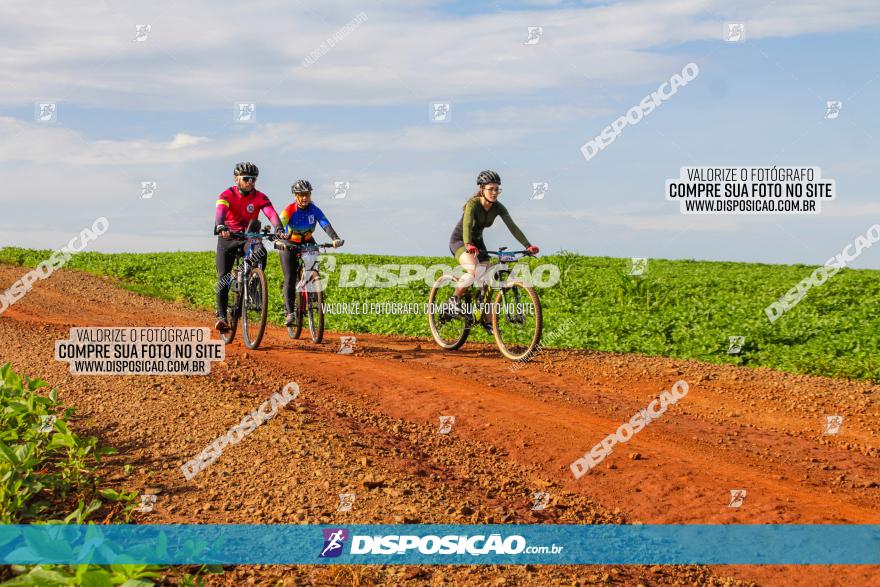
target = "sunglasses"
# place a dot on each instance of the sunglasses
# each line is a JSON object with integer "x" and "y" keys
{"x": 496, "y": 190}
{"x": 249, "y": 177}
{"x": 304, "y": 195}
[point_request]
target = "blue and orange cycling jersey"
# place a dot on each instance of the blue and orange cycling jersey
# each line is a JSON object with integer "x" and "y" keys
{"x": 299, "y": 223}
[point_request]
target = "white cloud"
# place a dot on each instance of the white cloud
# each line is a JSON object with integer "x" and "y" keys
{"x": 203, "y": 57}
{"x": 869, "y": 211}
{"x": 55, "y": 144}
{"x": 538, "y": 115}
{"x": 200, "y": 55}
{"x": 643, "y": 217}
{"x": 182, "y": 140}
{"x": 60, "y": 145}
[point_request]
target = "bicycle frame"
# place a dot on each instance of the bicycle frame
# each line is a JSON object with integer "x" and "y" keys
{"x": 243, "y": 264}
{"x": 248, "y": 285}
{"x": 248, "y": 251}
{"x": 499, "y": 303}
{"x": 497, "y": 272}
{"x": 309, "y": 254}
{"x": 308, "y": 290}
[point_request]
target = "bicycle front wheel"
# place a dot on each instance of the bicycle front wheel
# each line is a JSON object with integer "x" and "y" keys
{"x": 517, "y": 321}
{"x": 315, "y": 313}
{"x": 233, "y": 311}
{"x": 450, "y": 330}
{"x": 298, "y": 309}
{"x": 256, "y": 307}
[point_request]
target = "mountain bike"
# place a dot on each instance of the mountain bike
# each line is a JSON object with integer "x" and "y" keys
{"x": 309, "y": 297}
{"x": 248, "y": 294}
{"x": 513, "y": 313}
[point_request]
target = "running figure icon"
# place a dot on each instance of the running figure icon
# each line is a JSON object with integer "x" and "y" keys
{"x": 333, "y": 541}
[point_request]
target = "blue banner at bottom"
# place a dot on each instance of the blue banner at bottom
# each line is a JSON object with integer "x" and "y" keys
{"x": 441, "y": 544}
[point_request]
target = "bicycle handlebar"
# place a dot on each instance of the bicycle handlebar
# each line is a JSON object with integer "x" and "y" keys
{"x": 297, "y": 246}
{"x": 523, "y": 253}
{"x": 248, "y": 235}
{"x": 265, "y": 233}
{"x": 233, "y": 233}
{"x": 279, "y": 240}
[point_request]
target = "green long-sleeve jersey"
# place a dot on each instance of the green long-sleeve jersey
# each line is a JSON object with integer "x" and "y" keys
{"x": 475, "y": 219}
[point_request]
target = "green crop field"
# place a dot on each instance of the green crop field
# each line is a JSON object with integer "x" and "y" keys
{"x": 683, "y": 309}
{"x": 48, "y": 475}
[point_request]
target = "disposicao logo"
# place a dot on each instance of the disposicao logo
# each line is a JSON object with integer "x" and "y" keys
{"x": 334, "y": 540}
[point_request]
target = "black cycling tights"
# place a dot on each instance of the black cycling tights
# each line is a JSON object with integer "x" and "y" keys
{"x": 290, "y": 261}
{"x": 228, "y": 250}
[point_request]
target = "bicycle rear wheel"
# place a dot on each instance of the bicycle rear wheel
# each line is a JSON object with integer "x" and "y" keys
{"x": 256, "y": 307}
{"x": 517, "y": 321}
{"x": 449, "y": 330}
{"x": 233, "y": 311}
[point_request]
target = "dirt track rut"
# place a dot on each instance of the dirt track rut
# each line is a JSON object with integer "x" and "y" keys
{"x": 367, "y": 424}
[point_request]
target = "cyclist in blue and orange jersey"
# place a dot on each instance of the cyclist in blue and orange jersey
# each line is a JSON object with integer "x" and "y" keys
{"x": 466, "y": 243}
{"x": 238, "y": 209}
{"x": 299, "y": 219}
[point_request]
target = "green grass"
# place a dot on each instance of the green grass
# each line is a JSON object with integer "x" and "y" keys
{"x": 48, "y": 475}
{"x": 45, "y": 467}
{"x": 682, "y": 309}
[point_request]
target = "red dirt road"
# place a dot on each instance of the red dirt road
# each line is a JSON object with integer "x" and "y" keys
{"x": 367, "y": 423}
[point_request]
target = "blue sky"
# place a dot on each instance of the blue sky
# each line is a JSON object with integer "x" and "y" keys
{"x": 162, "y": 110}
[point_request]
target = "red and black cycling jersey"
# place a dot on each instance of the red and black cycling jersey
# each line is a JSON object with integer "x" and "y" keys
{"x": 236, "y": 210}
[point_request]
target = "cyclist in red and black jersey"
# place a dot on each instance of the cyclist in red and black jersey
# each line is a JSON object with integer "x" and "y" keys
{"x": 238, "y": 210}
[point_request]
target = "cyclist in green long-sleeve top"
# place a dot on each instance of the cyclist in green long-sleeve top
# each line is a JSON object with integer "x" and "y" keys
{"x": 466, "y": 243}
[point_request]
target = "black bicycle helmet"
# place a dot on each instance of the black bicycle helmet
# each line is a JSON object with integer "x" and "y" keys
{"x": 247, "y": 168}
{"x": 301, "y": 186}
{"x": 488, "y": 176}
